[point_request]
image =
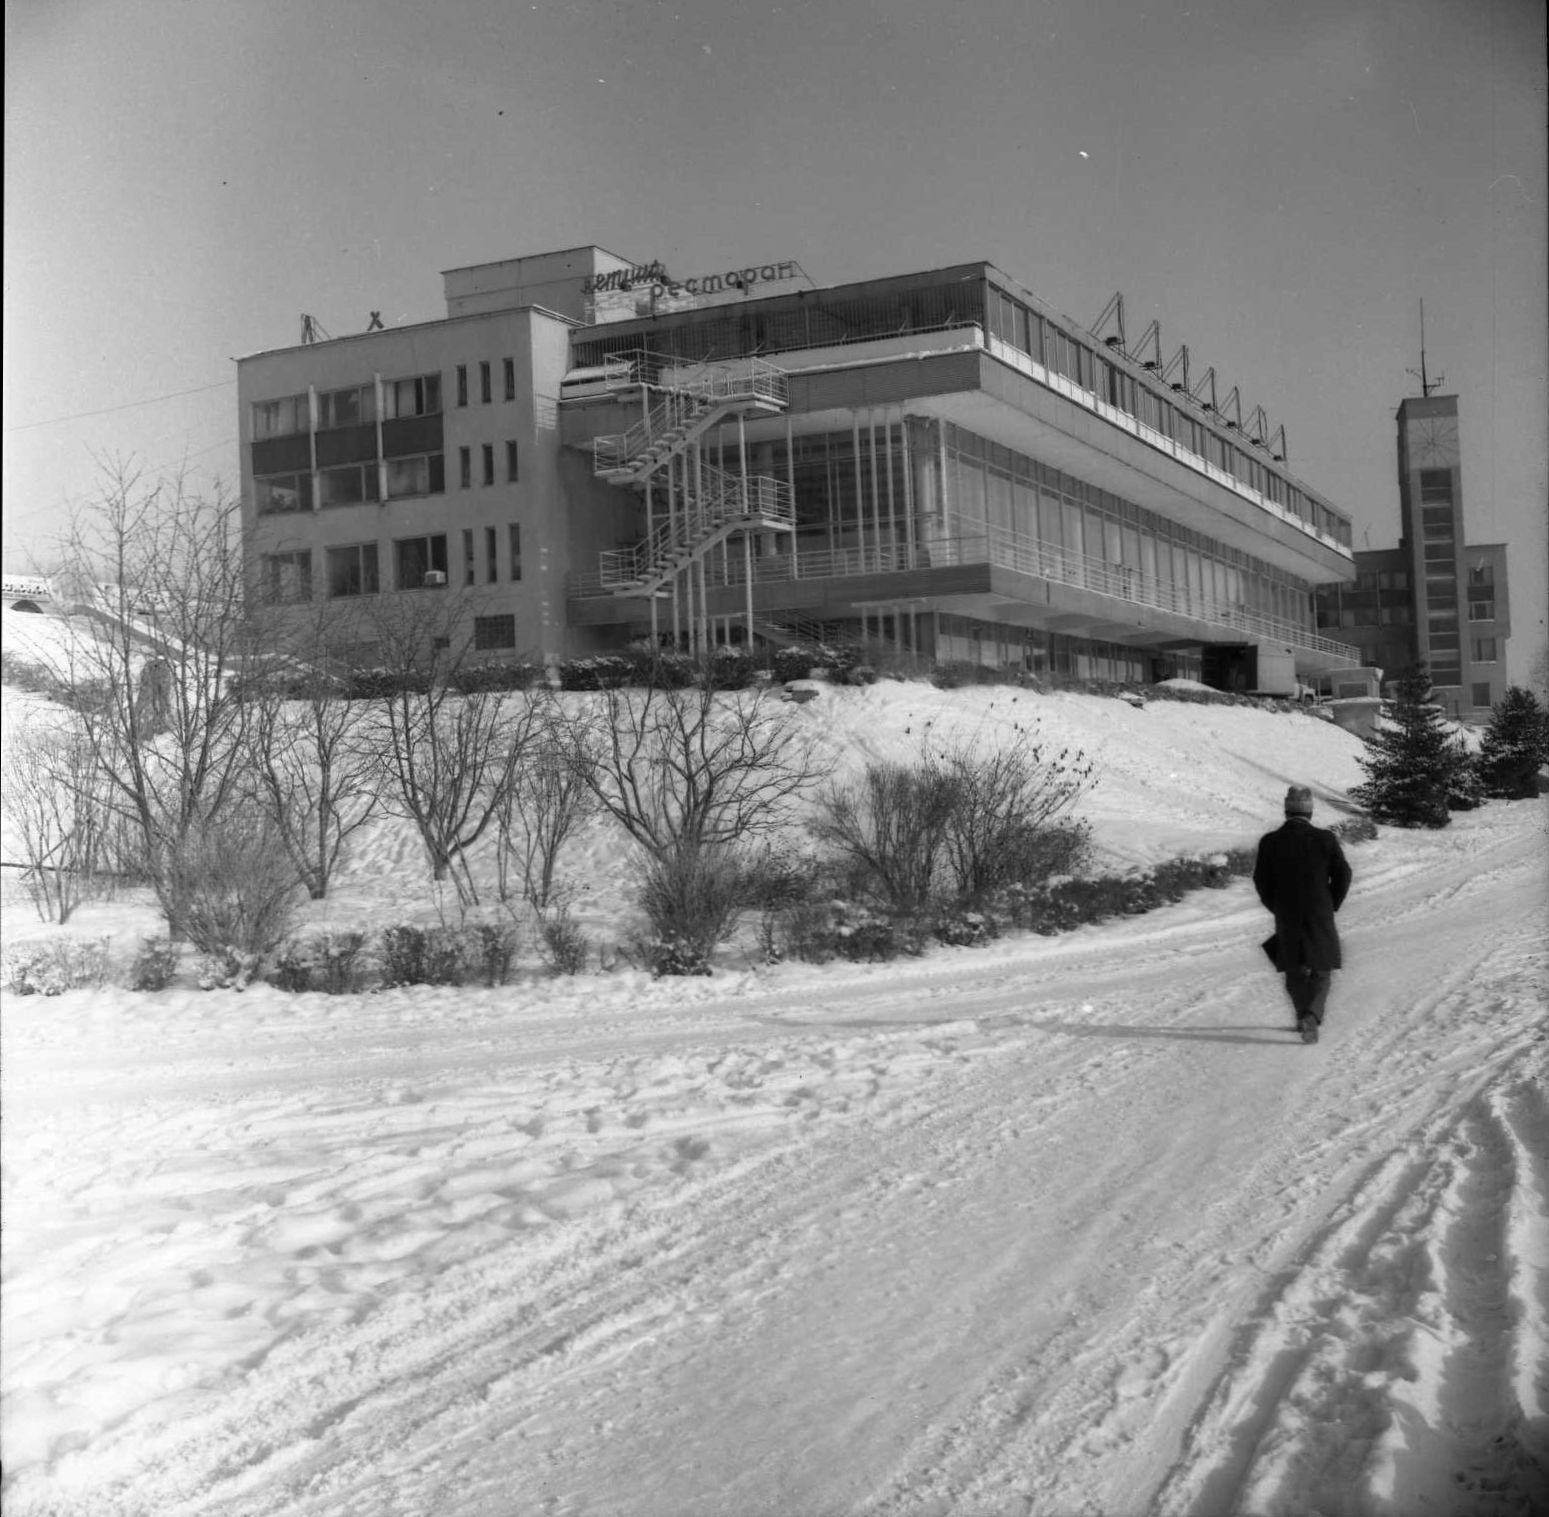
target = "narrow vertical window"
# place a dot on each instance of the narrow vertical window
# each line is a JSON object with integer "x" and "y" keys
{"x": 510, "y": 373}
{"x": 462, "y": 384}
{"x": 489, "y": 463}
{"x": 465, "y": 467}
{"x": 468, "y": 555}
{"x": 515, "y": 533}
{"x": 491, "y": 554}
{"x": 511, "y": 462}
{"x": 486, "y": 394}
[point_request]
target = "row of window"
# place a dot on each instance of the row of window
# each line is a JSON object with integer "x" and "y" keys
{"x": 353, "y": 406}
{"x": 487, "y": 463}
{"x": 350, "y": 484}
{"x": 1024, "y": 329}
{"x": 486, "y": 377}
{"x": 991, "y": 486}
{"x": 358, "y": 405}
{"x": 419, "y": 563}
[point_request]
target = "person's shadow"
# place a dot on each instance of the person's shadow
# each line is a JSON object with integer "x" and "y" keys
{"x": 1273, "y": 1035}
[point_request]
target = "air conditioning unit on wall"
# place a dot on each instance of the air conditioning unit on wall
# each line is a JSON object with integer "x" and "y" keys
{"x": 434, "y": 577}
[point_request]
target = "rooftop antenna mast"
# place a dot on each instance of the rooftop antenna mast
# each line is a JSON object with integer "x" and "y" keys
{"x": 1427, "y": 384}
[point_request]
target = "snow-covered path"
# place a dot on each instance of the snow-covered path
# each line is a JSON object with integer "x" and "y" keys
{"x": 1057, "y": 1226}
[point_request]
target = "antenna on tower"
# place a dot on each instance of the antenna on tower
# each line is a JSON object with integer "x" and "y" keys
{"x": 1427, "y": 384}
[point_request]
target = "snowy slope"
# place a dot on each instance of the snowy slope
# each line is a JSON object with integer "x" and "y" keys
{"x": 1061, "y": 1225}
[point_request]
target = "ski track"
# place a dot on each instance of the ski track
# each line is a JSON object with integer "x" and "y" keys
{"x": 832, "y": 1243}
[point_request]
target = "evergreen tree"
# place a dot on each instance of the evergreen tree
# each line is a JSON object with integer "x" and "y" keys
{"x": 1516, "y": 746}
{"x": 1410, "y": 761}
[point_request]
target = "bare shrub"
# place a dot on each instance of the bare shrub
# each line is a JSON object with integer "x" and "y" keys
{"x": 891, "y": 826}
{"x": 54, "y": 803}
{"x": 155, "y": 963}
{"x": 564, "y": 943}
{"x": 692, "y": 897}
{"x": 423, "y": 955}
{"x": 229, "y": 884}
{"x": 492, "y": 946}
{"x": 960, "y": 824}
{"x": 1004, "y": 801}
{"x": 50, "y": 969}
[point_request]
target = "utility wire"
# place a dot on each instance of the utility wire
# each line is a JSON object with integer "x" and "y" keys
{"x": 128, "y": 405}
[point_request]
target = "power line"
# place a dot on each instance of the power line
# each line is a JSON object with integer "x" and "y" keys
{"x": 128, "y": 405}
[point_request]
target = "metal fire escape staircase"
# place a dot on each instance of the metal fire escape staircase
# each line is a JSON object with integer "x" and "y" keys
{"x": 703, "y": 505}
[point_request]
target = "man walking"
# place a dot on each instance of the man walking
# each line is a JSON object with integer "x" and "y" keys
{"x": 1301, "y": 875}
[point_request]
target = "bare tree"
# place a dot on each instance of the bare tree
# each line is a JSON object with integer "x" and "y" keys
{"x": 688, "y": 767}
{"x": 548, "y": 800}
{"x": 53, "y": 801}
{"x": 313, "y": 759}
{"x": 691, "y": 776}
{"x": 156, "y": 575}
{"x": 447, "y": 755}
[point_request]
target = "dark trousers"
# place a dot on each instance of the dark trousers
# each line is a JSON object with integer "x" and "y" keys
{"x": 1308, "y": 989}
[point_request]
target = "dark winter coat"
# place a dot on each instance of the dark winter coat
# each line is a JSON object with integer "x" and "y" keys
{"x": 1301, "y": 875}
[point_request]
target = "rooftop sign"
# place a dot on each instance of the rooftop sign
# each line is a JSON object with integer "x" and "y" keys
{"x": 649, "y": 290}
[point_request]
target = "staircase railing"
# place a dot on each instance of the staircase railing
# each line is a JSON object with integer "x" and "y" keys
{"x": 680, "y": 403}
{"x": 724, "y": 501}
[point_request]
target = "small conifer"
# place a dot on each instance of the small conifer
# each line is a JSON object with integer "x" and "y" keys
{"x": 1411, "y": 759}
{"x": 1515, "y": 746}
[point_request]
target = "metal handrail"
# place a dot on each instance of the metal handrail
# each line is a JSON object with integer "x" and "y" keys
{"x": 725, "y": 499}
{"x": 999, "y": 548}
{"x": 689, "y": 393}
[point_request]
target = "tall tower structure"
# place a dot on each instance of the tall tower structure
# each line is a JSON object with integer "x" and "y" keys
{"x": 1460, "y": 618}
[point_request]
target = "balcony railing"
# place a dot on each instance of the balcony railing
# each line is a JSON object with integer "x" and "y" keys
{"x": 999, "y": 548}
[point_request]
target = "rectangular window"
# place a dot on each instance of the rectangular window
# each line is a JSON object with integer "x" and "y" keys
{"x": 508, "y": 366}
{"x": 1393, "y": 579}
{"x": 462, "y": 384}
{"x": 511, "y": 469}
{"x": 1436, "y": 552}
{"x": 348, "y": 485}
{"x": 417, "y": 396}
{"x": 1480, "y": 610}
{"x": 1484, "y": 650}
{"x": 486, "y": 391}
{"x": 489, "y": 463}
{"x": 287, "y": 577}
{"x": 1481, "y": 575}
{"x": 353, "y": 570}
{"x": 465, "y": 467}
{"x": 1482, "y": 693}
{"x": 420, "y": 562}
{"x": 280, "y": 418}
{"x": 415, "y": 476}
{"x": 468, "y": 575}
{"x": 491, "y": 554}
{"x": 515, "y": 537}
{"x": 353, "y": 407}
{"x": 1366, "y": 580}
{"x": 1435, "y": 485}
{"x": 1395, "y": 615}
{"x": 278, "y": 493}
{"x": 494, "y": 632}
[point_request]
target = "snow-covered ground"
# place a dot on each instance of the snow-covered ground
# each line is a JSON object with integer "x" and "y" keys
{"x": 1061, "y": 1225}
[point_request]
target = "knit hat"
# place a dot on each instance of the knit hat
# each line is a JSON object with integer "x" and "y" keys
{"x": 1298, "y": 801}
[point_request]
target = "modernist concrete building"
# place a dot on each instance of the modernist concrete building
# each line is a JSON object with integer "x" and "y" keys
{"x": 585, "y": 451}
{"x": 1435, "y": 599}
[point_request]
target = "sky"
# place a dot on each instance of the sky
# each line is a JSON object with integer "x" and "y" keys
{"x": 1280, "y": 186}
